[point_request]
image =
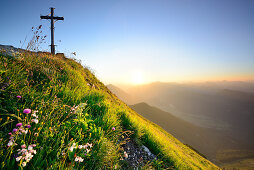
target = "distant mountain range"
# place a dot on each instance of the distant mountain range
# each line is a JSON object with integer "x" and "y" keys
{"x": 227, "y": 110}
{"x": 212, "y": 119}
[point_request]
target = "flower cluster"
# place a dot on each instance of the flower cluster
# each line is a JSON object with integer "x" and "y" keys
{"x": 79, "y": 159}
{"x": 87, "y": 148}
{"x": 73, "y": 109}
{"x": 20, "y": 129}
{"x": 35, "y": 119}
{"x": 25, "y": 155}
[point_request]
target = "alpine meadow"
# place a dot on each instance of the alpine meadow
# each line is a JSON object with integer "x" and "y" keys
{"x": 54, "y": 111}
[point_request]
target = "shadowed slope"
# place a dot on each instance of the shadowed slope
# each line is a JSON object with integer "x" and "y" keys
{"x": 206, "y": 141}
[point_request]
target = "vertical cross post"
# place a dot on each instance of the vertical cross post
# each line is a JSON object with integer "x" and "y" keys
{"x": 52, "y": 31}
{"x": 52, "y": 20}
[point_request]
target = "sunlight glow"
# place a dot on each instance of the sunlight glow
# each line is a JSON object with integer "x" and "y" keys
{"x": 137, "y": 77}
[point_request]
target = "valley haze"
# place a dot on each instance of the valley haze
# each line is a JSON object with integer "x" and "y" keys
{"x": 215, "y": 118}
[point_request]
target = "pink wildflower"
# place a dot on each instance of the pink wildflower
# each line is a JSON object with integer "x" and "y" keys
{"x": 27, "y": 111}
{"x": 19, "y": 125}
{"x": 27, "y": 126}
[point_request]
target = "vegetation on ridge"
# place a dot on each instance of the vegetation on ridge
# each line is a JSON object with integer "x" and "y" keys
{"x": 56, "y": 114}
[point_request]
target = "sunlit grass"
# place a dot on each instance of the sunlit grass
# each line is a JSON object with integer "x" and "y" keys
{"x": 74, "y": 107}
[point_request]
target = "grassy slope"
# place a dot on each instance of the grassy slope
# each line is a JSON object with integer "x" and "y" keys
{"x": 53, "y": 85}
{"x": 207, "y": 141}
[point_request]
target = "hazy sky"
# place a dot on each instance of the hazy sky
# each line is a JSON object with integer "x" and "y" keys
{"x": 139, "y": 41}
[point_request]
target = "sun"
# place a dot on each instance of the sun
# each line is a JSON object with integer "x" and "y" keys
{"x": 137, "y": 77}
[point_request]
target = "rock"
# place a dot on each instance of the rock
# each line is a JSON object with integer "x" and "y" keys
{"x": 138, "y": 156}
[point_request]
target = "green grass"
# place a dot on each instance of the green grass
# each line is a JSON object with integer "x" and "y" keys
{"x": 75, "y": 107}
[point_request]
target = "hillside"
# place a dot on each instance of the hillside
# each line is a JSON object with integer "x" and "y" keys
{"x": 206, "y": 141}
{"x": 56, "y": 114}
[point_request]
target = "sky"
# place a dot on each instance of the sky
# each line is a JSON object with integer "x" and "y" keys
{"x": 142, "y": 41}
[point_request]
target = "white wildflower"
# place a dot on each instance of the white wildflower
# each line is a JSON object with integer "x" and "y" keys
{"x": 71, "y": 148}
{"x": 79, "y": 159}
{"x": 18, "y": 158}
{"x": 35, "y": 120}
{"x": 10, "y": 143}
{"x": 29, "y": 147}
{"x": 34, "y": 115}
{"x": 125, "y": 154}
{"x": 23, "y": 164}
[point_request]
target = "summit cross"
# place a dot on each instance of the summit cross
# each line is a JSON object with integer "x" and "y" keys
{"x": 52, "y": 19}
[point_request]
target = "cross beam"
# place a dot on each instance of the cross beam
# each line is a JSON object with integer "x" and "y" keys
{"x": 52, "y": 18}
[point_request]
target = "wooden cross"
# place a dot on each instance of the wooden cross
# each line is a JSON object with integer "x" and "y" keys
{"x": 52, "y": 18}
